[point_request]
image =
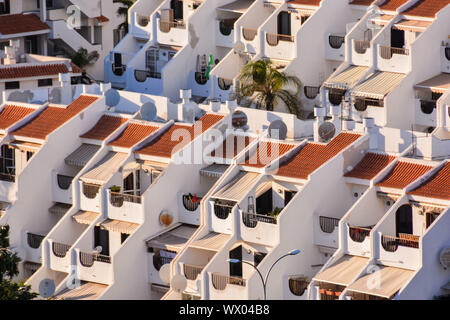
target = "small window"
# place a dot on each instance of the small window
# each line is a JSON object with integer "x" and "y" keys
{"x": 12, "y": 85}
{"x": 29, "y": 155}
{"x": 123, "y": 237}
{"x": 45, "y": 82}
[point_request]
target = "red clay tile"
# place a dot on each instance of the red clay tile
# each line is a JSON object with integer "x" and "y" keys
{"x": 134, "y": 133}
{"x": 11, "y": 114}
{"x": 370, "y": 166}
{"x": 362, "y": 2}
{"x": 21, "y": 23}
{"x": 267, "y": 152}
{"x": 102, "y": 18}
{"x": 403, "y": 174}
{"x": 438, "y": 186}
{"x": 392, "y": 5}
{"x": 231, "y": 146}
{"x": 104, "y": 127}
{"x": 53, "y": 117}
{"x": 315, "y": 3}
{"x": 426, "y": 8}
{"x": 18, "y": 71}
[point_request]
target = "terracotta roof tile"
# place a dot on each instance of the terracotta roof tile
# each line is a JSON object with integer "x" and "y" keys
{"x": 75, "y": 68}
{"x": 104, "y": 127}
{"x": 426, "y": 8}
{"x": 403, "y": 174}
{"x": 21, "y": 23}
{"x": 267, "y": 152}
{"x": 166, "y": 145}
{"x": 18, "y": 71}
{"x": 11, "y": 114}
{"x": 231, "y": 146}
{"x": 313, "y": 155}
{"x": 53, "y": 117}
{"x": 134, "y": 133}
{"x": 315, "y": 3}
{"x": 392, "y": 5}
{"x": 370, "y": 166}
{"x": 362, "y": 2}
{"x": 102, "y": 18}
{"x": 438, "y": 186}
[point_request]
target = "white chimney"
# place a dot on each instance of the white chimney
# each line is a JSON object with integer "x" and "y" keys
{"x": 188, "y": 107}
{"x": 320, "y": 113}
{"x": 371, "y": 129}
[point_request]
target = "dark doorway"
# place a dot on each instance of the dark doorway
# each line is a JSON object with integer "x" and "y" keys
{"x": 288, "y": 195}
{"x": 236, "y": 268}
{"x": 430, "y": 217}
{"x": 4, "y": 7}
{"x": 284, "y": 23}
{"x": 128, "y": 184}
{"x": 31, "y": 44}
{"x": 101, "y": 238}
{"x": 264, "y": 202}
{"x": 177, "y": 7}
{"x": 397, "y": 38}
{"x": 404, "y": 219}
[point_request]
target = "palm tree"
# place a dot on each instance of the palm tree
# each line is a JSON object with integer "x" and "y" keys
{"x": 123, "y": 12}
{"x": 262, "y": 85}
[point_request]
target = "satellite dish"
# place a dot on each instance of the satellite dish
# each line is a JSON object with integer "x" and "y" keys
{"x": 277, "y": 130}
{"x": 165, "y": 218}
{"x": 148, "y": 111}
{"x": 112, "y": 98}
{"x": 164, "y": 272}
{"x": 47, "y": 288}
{"x": 239, "y": 119}
{"x": 178, "y": 282}
{"x": 327, "y": 130}
{"x": 239, "y": 47}
{"x": 444, "y": 258}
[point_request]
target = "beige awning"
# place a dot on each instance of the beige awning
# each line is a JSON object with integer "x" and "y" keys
{"x": 391, "y": 280}
{"x": 147, "y": 164}
{"x": 59, "y": 208}
{"x": 174, "y": 239}
{"x": 82, "y": 155}
{"x": 412, "y": 25}
{"x": 31, "y": 266}
{"x": 86, "y": 291}
{"x": 212, "y": 241}
{"x": 343, "y": 271}
{"x": 239, "y": 6}
{"x": 214, "y": 171}
{"x": 105, "y": 168}
{"x": 238, "y": 187}
{"x": 378, "y": 85}
{"x": 85, "y": 217}
{"x": 347, "y": 78}
{"x": 25, "y": 146}
{"x": 263, "y": 187}
{"x": 438, "y": 84}
{"x": 119, "y": 226}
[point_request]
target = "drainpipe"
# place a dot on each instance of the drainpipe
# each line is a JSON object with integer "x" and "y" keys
{"x": 43, "y": 10}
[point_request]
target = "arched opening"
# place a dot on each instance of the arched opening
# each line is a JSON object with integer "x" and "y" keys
{"x": 404, "y": 219}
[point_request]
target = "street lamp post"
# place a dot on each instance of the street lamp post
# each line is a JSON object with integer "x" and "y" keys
{"x": 264, "y": 280}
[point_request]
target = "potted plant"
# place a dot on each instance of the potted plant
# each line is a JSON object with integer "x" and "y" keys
{"x": 115, "y": 188}
{"x": 275, "y": 212}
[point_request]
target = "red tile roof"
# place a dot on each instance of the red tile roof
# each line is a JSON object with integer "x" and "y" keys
{"x": 104, "y": 127}
{"x": 426, "y": 8}
{"x": 11, "y": 114}
{"x": 102, "y": 18}
{"x": 438, "y": 186}
{"x": 231, "y": 146}
{"x": 403, "y": 174}
{"x": 18, "y": 71}
{"x": 134, "y": 133}
{"x": 267, "y": 152}
{"x": 166, "y": 144}
{"x": 53, "y": 117}
{"x": 315, "y": 3}
{"x": 75, "y": 68}
{"x": 21, "y": 23}
{"x": 313, "y": 155}
{"x": 362, "y": 2}
{"x": 370, "y": 166}
{"x": 392, "y": 5}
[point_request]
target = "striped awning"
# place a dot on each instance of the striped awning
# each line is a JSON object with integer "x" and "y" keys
{"x": 86, "y": 291}
{"x": 215, "y": 170}
{"x": 412, "y": 25}
{"x": 25, "y": 146}
{"x": 119, "y": 226}
{"x": 105, "y": 168}
{"x": 174, "y": 239}
{"x": 85, "y": 217}
{"x": 378, "y": 85}
{"x": 391, "y": 280}
{"x": 438, "y": 84}
{"x": 59, "y": 208}
{"x": 239, "y": 6}
{"x": 82, "y": 155}
{"x": 343, "y": 271}
{"x": 154, "y": 165}
{"x": 238, "y": 187}
{"x": 263, "y": 187}
{"x": 347, "y": 78}
{"x": 212, "y": 241}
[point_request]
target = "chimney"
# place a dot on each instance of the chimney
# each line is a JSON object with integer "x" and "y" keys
{"x": 188, "y": 107}
{"x": 369, "y": 125}
{"x": 66, "y": 88}
{"x": 335, "y": 113}
{"x": 320, "y": 113}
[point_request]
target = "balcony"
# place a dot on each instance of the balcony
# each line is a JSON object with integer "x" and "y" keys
{"x": 259, "y": 228}
{"x": 90, "y": 197}
{"x": 225, "y": 33}
{"x": 298, "y": 285}
{"x": 126, "y": 207}
{"x": 191, "y": 203}
{"x": 191, "y": 272}
{"x": 445, "y": 59}
{"x": 62, "y": 188}
{"x": 95, "y": 267}
{"x": 172, "y": 32}
{"x": 60, "y": 258}
{"x": 358, "y": 241}
{"x": 426, "y": 114}
{"x": 222, "y": 211}
{"x": 326, "y": 231}
{"x": 220, "y": 281}
{"x": 335, "y": 50}
{"x": 393, "y": 59}
{"x": 311, "y": 92}
{"x": 33, "y": 252}
{"x": 227, "y": 287}
{"x": 361, "y": 52}
{"x": 402, "y": 251}
{"x": 280, "y": 46}
{"x": 249, "y": 34}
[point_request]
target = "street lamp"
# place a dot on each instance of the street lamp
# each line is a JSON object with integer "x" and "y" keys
{"x": 264, "y": 280}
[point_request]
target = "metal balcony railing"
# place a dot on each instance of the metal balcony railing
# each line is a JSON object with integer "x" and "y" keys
{"x": 87, "y": 259}
{"x": 189, "y": 204}
{"x": 390, "y": 243}
{"x": 64, "y": 182}
{"x": 311, "y": 92}
{"x": 165, "y": 26}
{"x": 274, "y": 38}
{"x": 388, "y": 52}
{"x": 159, "y": 261}
{"x": 7, "y": 177}
{"x": 220, "y": 281}
{"x": 222, "y": 211}
{"x": 336, "y": 42}
{"x": 328, "y": 224}
{"x": 249, "y": 34}
{"x": 90, "y": 190}
{"x": 117, "y": 199}
{"x": 191, "y": 272}
{"x": 358, "y": 234}
{"x": 298, "y": 285}
{"x": 60, "y": 249}
{"x": 361, "y": 46}
{"x": 250, "y": 220}
{"x": 34, "y": 240}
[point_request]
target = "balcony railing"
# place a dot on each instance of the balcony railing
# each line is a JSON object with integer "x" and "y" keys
{"x": 250, "y": 220}
{"x": 87, "y": 259}
{"x": 328, "y": 224}
{"x": 140, "y": 75}
{"x": 64, "y": 182}
{"x": 335, "y": 98}
{"x": 189, "y": 203}
{"x": 298, "y": 285}
{"x": 142, "y": 20}
{"x": 326, "y": 294}
{"x": 336, "y": 41}
{"x": 249, "y": 34}
{"x": 358, "y": 234}
{"x": 222, "y": 211}
{"x": 191, "y": 272}
{"x": 224, "y": 84}
{"x": 226, "y": 27}
{"x": 388, "y": 52}
{"x": 159, "y": 261}
{"x": 273, "y": 38}
{"x": 200, "y": 78}
{"x": 220, "y": 281}
{"x": 361, "y": 46}
{"x": 117, "y": 199}
{"x": 311, "y": 92}
{"x": 165, "y": 26}
{"x": 391, "y": 243}
{"x": 90, "y": 190}
{"x": 34, "y": 240}
{"x": 60, "y": 249}
{"x": 447, "y": 53}
{"x": 7, "y": 177}
{"x": 427, "y": 106}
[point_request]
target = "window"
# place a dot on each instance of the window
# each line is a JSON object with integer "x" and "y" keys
{"x": 128, "y": 183}
{"x": 258, "y": 257}
{"x": 4, "y": 7}
{"x": 7, "y": 165}
{"x": 29, "y": 155}
{"x": 45, "y": 82}
{"x": 12, "y": 85}
{"x": 123, "y": 237}
{"x": 101, "y": 238}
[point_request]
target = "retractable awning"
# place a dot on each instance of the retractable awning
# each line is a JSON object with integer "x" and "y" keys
{"x": 154, "y": 165}
{"x": 238, "y": 187}
{"x": 85, "y": 217}
{"x": 119, "y": 226}
{"x": 378, "y": 85}
{"x": 59, "y": 208}
{"x": 412, "y": 25}
{"x": 437, "y": 84}
{"x": 172, "y": 240}
{"x": 343, "y": 271}
{"x": 214, "y": 171}
{"x": 347, "y": 78}
{"x": 391, "y": 280}
{"x": 239, "y": 6}
{"x": 82, "y": 155}
{"x": 212, "y": 241}
{"x": 263, "y": 187}
{"x": 25, "y": 146}
{"x": 105, "y": 168}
